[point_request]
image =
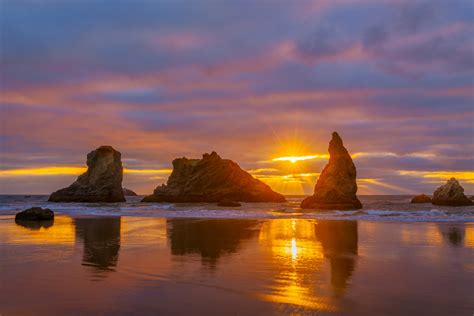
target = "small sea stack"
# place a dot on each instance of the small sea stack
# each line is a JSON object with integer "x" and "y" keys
{"x": 102, "y": 182}
{"x": 451, "y": 194}
{"x": 128, "y": 192}
{"x": 336, "y": 187}
{"x": 422, "y": 198}
{"x": 212, "y": 180}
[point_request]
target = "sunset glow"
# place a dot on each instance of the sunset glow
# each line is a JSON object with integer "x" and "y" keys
{"x": 50, "y": 171}
{"x": 294, "y": 159}
{"x": 181, "y": 85}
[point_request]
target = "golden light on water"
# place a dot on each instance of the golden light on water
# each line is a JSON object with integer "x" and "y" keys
{"x": 429, "y": 234}
{"x": 294, "y": 249}
{"x": 469, "y": 237}
{"x": 62, "y": 231}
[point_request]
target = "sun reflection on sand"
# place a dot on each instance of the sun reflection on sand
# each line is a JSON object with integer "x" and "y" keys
{"x": 469, "y": 238}
{"x": 61, "y": 231}
{"x": 429, "y": 234}
{"x": 294, "y": 250}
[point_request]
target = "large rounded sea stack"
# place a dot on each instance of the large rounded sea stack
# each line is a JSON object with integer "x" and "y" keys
{"x": 212, "y": 180}
{"x": 336, "y": 187}
{"x": 102, "y": 182}
{"x": 422, "y": 198}
{"x": 451, "y": 194}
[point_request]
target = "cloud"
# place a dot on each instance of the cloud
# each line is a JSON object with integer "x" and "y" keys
{"x": 162, "y": 80}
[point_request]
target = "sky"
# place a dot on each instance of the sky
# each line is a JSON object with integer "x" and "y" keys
{"x": 254, "y": 81}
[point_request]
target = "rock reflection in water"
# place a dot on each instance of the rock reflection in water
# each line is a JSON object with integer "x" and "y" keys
{"x": 452, "y": 233}
{"x": 209, "y": 238}
{"x": 339, "y": 241}
{"x": 101, "y": 238}
{"x": 35, "y": 225}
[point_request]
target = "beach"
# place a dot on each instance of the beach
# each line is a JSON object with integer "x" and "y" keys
{"x": 287, "y": 264}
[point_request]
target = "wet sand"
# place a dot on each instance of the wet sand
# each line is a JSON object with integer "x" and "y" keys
{"x": 136, "y": 265}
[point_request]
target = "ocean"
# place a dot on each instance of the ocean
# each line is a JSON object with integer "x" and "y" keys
{"x": 391, "y": 258}
{"x": 376, "y": 208}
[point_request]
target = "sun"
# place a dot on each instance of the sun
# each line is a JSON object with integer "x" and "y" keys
{"x": 294, "y": 159}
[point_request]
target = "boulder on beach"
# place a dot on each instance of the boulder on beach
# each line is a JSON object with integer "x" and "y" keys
{"x": 128, "y": 192}
{"x": 229, "y": 203}
{"x": 451, "y": 194}
{"x": 336, "y": 187}
{"x": 211, "y": 179}
{"x": 102, "y": 182}
{"x": 35, "y": 214}
{"x": 422, "y": 198}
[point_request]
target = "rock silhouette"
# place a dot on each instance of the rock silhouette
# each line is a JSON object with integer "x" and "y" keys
{"x": 336, "y": 187}
{"x": 451, "y": 194}
{"x": 339, "y": 240}
{"x": 101, "y": 237}
{"x": 102, "y": 182}
{"x": 35, "y": 214}
{"x": 422, "y": 198}
{"x": 211, "y": 179}
{"x": 128, "y": 192}
{"x": 209, "y": 238}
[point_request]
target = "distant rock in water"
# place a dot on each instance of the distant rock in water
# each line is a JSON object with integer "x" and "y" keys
{"x": 35, "y": 214}
{"x": 422, "y": 198}
{"x": 229, "y": 203}
{"x": 336, "y": 187}
{"x": 212, "y": 179}
{"x": 128, "y": 192}
{"x": 102, "y": 182}
{"x": 451, "y": 194}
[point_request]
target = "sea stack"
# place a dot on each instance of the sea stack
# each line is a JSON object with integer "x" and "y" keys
{"x": 102, "y": 182}
{"x": 336, "y": 187}
{"x": 451, "y": 194}
{"x": 212, "y": 180}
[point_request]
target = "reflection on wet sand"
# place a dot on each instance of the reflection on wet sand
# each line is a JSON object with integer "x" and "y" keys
{"x": 452, "y": 233}
{"x": 300, "y": 246}
{"x": 101, "y": 238}
{"x": 59, "y": 231}
{"x": 35, "y": 225}
{"x": 339, "y": 241}
{"x": 209, "y": 238}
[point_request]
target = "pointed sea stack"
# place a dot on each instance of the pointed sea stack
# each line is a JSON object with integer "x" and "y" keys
{"x": 451, "y": 194}
{"x": 336, "y": 187}
{"x": 212, "y": 180}
{"x": 102, "y": 182}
